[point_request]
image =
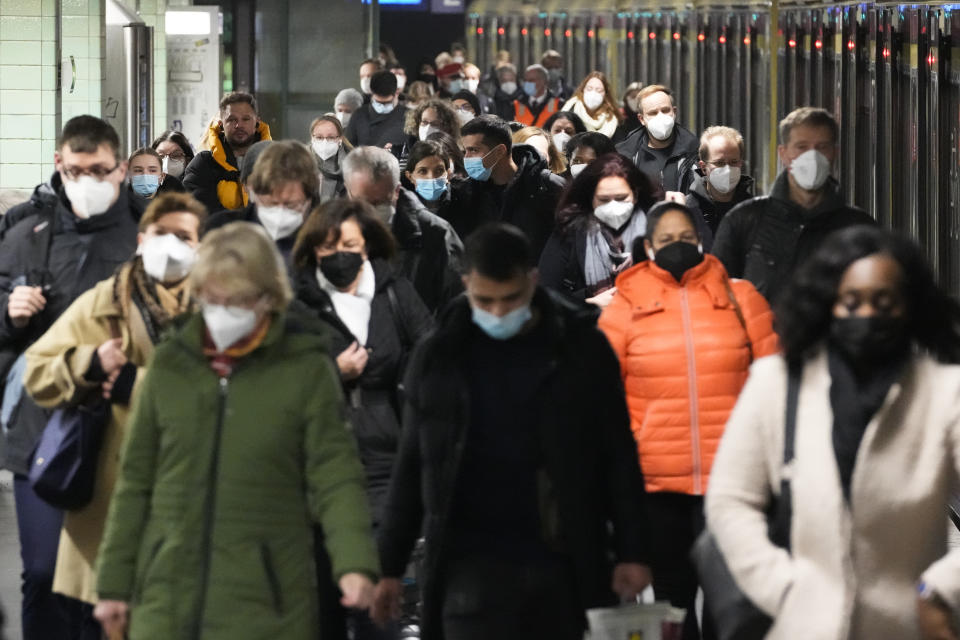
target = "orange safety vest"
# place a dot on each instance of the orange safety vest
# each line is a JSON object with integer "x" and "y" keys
{"x": 524, "y": 115}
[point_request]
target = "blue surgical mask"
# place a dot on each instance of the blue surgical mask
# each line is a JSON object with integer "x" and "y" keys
{"x": 431, "y": 189}
{"x": 382, "y": 108}
{"x": 502, "y": 327}
{"x": 145, "y": 184}
{"x": 456, "y": 85}
{"x": 476, "y": 170}
{"x": 530, "y": 88}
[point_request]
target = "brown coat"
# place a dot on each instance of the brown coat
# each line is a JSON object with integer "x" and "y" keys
{"x": 54, "y": 378}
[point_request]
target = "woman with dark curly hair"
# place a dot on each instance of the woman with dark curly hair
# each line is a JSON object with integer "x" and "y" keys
{"x": 871, "y": 340}
{"x": 599, "y": 216}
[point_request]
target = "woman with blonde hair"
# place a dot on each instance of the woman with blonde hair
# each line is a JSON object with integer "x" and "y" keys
{"x": 594, "y": 102}
{"x": 329, "y": 147}
{"x": 543, "y": 143}
{"x": 237, "y": 447}
{"x": 99, "y": 349}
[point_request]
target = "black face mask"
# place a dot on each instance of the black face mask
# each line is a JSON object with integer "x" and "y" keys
{"x": 875, "y": 339}
{"x": 678, "y": 257}
{"x": 341, "y": 268}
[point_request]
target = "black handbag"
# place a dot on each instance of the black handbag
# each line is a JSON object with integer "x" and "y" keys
{"x": 64, "y": 464}
{"x": 734, "y": 616}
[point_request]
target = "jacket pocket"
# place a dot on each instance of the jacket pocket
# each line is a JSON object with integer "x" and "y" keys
{"x": 272, "y": 579}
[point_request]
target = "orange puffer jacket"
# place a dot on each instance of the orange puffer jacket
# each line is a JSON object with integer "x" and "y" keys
{"x": 684, "y": 356}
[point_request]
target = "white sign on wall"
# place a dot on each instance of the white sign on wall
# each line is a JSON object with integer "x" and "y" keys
{"x": 193, "y": 69}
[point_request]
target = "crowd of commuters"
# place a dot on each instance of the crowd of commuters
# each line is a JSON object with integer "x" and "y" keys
{"x": 525, "y": 340}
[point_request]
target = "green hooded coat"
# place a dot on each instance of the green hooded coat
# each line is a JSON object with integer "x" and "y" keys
{"x": 210, "y": 532}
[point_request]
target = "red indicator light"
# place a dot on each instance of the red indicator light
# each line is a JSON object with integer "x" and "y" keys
{"x": 722, "y": 39}
{"x": 568, "y": 33}
{"x": 931, "y": 59}
{"x": 851, "y": 45}
{"x": 818, "y": 44}
{"x": 792, "y": 42}
{"x": 480, "y": 31}
{"x": 501, "y": 30}
{"x": 886, "y": 52}
{"x": 746, "y": 41}
{"x": 630, "y": 34}
{"x": 701, "y": 37}
{"x": 523, "y": 31}
{"x": 546, "y": 32}
{"x": 676, "y": 36}
{"x": 590, "y": 33}
{"x": 652, "y": 35}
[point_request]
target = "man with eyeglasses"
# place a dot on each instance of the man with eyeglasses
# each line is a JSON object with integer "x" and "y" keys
{"x": 718, "y": 184}
{"x": 48, "y": 257}
{"x": 281, "y": 178}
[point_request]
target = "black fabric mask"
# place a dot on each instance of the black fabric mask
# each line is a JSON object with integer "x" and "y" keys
{"x": 341, "y": 268}
{"x": 875, "y": 339}
{"x": 678, "y": 257}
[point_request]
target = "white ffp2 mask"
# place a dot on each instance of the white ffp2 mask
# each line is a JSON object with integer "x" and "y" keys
{"x": 227, "y": 325}
{"x": 167, "y": 258}
{"x": 810, "y": 170}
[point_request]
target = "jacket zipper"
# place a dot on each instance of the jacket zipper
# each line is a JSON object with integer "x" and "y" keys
{"x": 692, "y": 383}
{"x": 210, "y": 503}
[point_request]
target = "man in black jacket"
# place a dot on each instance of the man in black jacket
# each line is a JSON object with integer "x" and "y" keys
{"x": 213, "y": 177}
{"x": 380, "y": 122}
{"x": 51, "y": 255}
{"x": 765, "y": 239}
{"x": 517, "y": 454}
{"x": 429, "y": 249}
{"x": 508, "y": 184}
{"x": 718, "y": 184}
{"x": 661, "y": 148}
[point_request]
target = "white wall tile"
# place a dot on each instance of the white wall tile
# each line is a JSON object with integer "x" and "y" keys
{"x": 20, "y": 176}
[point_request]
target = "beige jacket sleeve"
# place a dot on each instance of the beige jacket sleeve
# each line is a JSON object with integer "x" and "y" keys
{"x": 745, "y": 473}
{"x": 57, "y": 361}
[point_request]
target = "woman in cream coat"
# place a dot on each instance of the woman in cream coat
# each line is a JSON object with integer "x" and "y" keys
{"x": 877, "y": 451}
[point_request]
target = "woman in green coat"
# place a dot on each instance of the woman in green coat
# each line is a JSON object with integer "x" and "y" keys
{"x": 238, "y": 445}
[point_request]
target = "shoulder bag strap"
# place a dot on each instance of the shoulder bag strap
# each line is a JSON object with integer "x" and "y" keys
{"x": 779, "y": 527}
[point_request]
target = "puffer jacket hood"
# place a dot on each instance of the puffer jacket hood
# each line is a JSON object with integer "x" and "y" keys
{"x": 684, "y": 354}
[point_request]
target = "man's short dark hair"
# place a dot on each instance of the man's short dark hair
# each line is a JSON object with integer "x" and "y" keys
{"x": 495, "y": 130}
{"x": 85, "y": 134}
{"x": 237, "y": 97}
{"x": 498, "y": 251}
{"x": 383, "y": 83}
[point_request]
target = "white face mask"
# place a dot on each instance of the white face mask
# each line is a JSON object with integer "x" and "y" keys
{"x": 425, "y": 130}
{"x": 401, "y": 82}
{"x": 614, "y": 214}
{"x": 464, "y": 116}
{"x": 279, "y": 222}
{"x": 385, "y": 212}
{"x": 89, "y": 196}
{"x": 810, "y": 170}
{"x": 633, "y": 104}
{"x": 576, "y": 169}
{"x": 344, "y": 118}
{"x": 325, "y": 149}
{"x": 365, "y": 85}
{"x": 458, "y": 59}
{"x": 660, "y": 126}
{"x": 592, "y": 99}
{"x": 560, "y": 140}
{"x": 508, "y": 88}
{"x": 724, "y": 179}
{"x": 173, "y": 167}
{"x": 167, "y": 258}
{"x": 227, "y": 325}
{"x": 471, "y": 85}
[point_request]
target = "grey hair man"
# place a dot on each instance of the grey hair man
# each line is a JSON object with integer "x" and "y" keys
{"x": 429, "y": 249}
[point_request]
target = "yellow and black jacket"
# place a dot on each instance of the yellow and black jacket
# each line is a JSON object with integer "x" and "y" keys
{"x": 213, "y": 177}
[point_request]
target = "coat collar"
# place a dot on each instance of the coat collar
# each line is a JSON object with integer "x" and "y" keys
{"x": 646, "y": 286}
{"x": 221, "y": 151}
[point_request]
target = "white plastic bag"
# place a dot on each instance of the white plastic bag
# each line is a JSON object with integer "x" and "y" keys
{"x": 657, "y": 621}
